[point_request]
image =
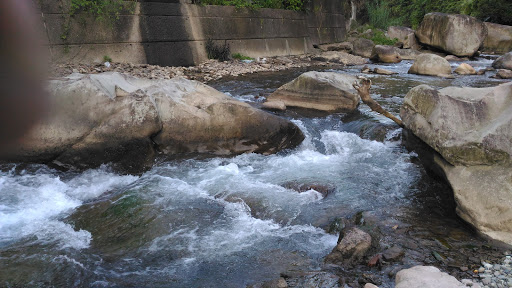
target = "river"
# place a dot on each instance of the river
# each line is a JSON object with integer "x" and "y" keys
{"x": 238, "y": 221}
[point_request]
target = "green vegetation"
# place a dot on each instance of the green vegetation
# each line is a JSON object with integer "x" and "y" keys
{"x": 107, "y": 58}
{"x": 296, "y": 5}
{"x": 219, "y": 52}
{"x": 241, "y": 57}
{"x": 102, "y": 9}
{"x": 384, "y": 13}
{"x": 377, "y": 36}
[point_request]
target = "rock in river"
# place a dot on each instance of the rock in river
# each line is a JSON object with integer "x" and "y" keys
{"x": 326, "y": 91}
{"x": 351, "y": 248}
{"x": 499, "y": 38}
{"x": 111, "y": 117}
{"x": 385, "y": 54}
{"x": 503, "y": 62}
{"x": 460, "y": 35}
{"x": 471, "y": 128}
{"x": 430, "y": 64}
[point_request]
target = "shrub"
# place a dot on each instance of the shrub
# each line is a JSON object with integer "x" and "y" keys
{"x": 241, "y": 57}
{"x": 102, "y": 9}
{"x": 379, "y": 15}
{"x": 219, "y": 52}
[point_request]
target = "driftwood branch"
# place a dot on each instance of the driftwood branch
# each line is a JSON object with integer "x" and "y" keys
{"x": 364, "y": 92}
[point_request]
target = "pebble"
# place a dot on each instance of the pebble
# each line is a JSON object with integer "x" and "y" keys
{"x": 496, "y": 275}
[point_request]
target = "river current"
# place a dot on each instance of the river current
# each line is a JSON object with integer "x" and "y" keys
{"x": 221, "y": 222}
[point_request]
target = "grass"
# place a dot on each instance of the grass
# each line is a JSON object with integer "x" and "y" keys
{"x": 239, "y": 56}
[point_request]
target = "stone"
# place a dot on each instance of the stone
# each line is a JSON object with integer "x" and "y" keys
{"x": 385, "y": 54}
{"x": 499, "y": 38}
{"x": 465, "y": 69}
{"x": 343, "y": 46}
{"x": 351, "y": 248}
{"x": 430, "y": 64}
{"x": 503, "y": 62}
{"x": 411, "y": 42}
{"x": 453, "y": 58}
{"x": 341, "y": 58}
{"x": 504, "y": 74}
{"x": 370, "y": 285}
{"x": 363, "y": 47}
{"x": 383, "y": 71}
{"x": 399, "y": 32}
{"x": 460, "y": 35}
{"x": 470, "y": 128}
{"x": 325, "y": 91}
{"x": 274, "y": 105}
{"x": 425, "y": 277}
{"x": 112, "y": 117}
{"x": 409, "y": 54}
{"x": 393, "y": 254}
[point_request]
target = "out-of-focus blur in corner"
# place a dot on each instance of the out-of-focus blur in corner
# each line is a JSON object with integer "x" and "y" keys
{"x": 23, "y": 70}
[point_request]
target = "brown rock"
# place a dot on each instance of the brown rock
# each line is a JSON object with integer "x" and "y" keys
{"x": 504, "y": 74}
{"x": 385, "y": 54}
{"x": 274, "y": 105}
{"x": 351, "y": 248}
{"x": 383, "y": 71}
{"x": 503, "y": 62}
{"x": 465, "y": 69}
{"x": 326, "y": 91}
{"x": 363, "y": 47}
{"x": 430, "y": 64}
{"x": 341, "y": 58}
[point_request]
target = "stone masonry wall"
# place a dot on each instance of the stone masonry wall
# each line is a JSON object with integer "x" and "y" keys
{"x": 169, "y": 33}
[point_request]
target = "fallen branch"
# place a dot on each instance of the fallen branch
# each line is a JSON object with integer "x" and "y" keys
{"x": 364, "y": 92}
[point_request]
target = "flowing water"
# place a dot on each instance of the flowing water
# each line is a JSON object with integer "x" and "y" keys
{"x": 233, "y": 222}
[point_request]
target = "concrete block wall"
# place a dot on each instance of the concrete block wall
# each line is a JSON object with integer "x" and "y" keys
{"x": 170, "y": 33}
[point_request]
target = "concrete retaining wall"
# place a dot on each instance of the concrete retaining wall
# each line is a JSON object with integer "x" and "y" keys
{"x": 166, "y": 33}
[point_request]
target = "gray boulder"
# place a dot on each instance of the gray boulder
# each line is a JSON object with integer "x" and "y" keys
{"x": 460, "y": 35}
{"x": 385, "y": 54}
{"x": 430, "y": 64}
{"x": 503, "y": 62}
{"x": 112, "y": 117}
{"x": 471, "y": 129}
{"x": 326, "y": 91}
{"x": 363, "y": 47}
{"x": 399, "y": 32}
{"x": 504, "y": 74}
{"x": 499, "y": 38}
{"x": 425, "y": 277}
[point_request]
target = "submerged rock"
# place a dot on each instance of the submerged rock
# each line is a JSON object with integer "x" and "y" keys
{"x": 504, "y": 74}
{"x": 471, "y": 129}
{"x": 112, "y": 117}
{"x": 430, "y": 64}
{"x": 385, "y": 54}
{"x": 499, "y": 38}
{"x": 351, "y": 248}
{"x": 326, "y": 91}
{"x": 460, "y": 35}
{"x": 425, "y": 277}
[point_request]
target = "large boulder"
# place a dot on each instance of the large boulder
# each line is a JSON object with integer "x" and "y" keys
{"x": 430, "y": 64}
{"x": 404, "y": 35}
{"x": 112, "y": 117}
{"x": 399, "y": 32}
{"x": 499, "y": 38}
{"x": 386, "y": 54}
{"x": 326, "y": 91}
{"x": 503, "y": 62}
{"x": 425, "y": 277}
{"x": 460, "y": 35}
{"x": 471, "y": 129}
{"x": 362, "y": 47}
